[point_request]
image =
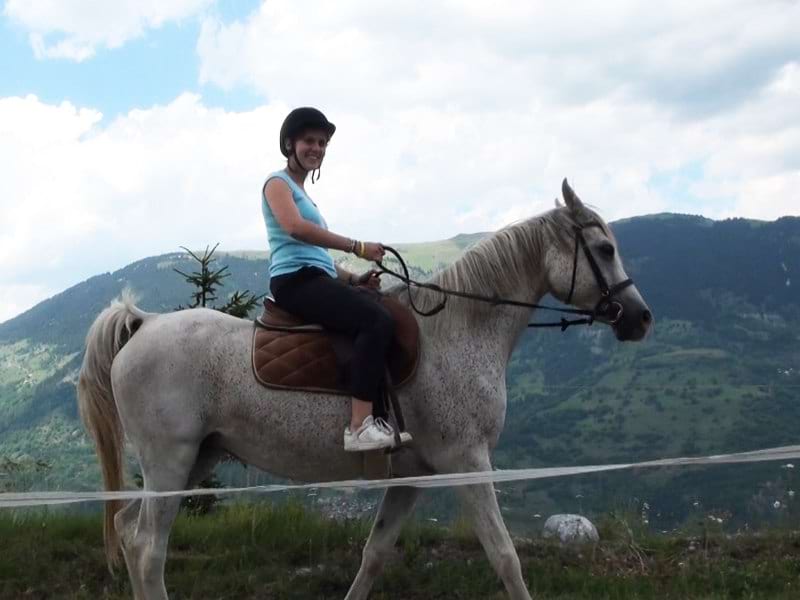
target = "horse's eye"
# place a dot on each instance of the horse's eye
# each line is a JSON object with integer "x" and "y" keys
{"x": 607, "y": 250}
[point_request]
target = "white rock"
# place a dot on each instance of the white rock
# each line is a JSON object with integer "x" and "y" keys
{"x": 570, "y": 529}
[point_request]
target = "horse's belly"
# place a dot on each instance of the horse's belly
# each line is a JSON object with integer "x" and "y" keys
{"x": 295, "y": 461}
{"x": 289, "y": 434}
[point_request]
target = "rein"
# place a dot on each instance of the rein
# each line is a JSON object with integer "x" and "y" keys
{"x": 605, "y": 302}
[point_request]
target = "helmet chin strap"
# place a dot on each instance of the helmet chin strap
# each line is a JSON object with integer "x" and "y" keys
{"x": 296, "y": 161}
{"x": 315, "y": 173}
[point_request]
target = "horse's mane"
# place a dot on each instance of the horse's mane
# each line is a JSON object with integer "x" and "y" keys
{"x": 494, "y": 264}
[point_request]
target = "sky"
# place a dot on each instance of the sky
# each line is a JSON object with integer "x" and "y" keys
{"x": 129, "y": 128}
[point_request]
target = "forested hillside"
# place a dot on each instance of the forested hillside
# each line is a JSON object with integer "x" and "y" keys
{"x": 720, "y": 372}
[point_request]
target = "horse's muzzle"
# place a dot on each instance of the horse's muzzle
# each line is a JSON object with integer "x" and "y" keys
{"x": 631, "y": 325}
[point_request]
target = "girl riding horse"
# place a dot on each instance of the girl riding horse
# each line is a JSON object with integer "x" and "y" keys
{"x": 305, "y": 281}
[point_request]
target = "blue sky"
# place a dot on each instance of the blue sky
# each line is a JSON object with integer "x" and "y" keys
{"x": 128, "y": 129}
{"x": 152, "y": 69}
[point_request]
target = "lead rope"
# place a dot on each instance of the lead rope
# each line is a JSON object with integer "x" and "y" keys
{"x": 493, "y": 300}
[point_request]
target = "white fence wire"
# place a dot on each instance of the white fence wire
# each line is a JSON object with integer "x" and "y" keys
{"x": 28, "y": 499}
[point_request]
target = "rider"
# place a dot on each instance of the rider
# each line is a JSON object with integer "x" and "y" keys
{"x": 305, "y": 281}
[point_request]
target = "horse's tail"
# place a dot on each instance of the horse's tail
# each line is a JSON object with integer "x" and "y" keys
{"x": 108, "y": 334}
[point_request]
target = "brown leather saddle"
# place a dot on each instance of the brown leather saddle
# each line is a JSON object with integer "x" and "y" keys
{"x": 291, "y": 354}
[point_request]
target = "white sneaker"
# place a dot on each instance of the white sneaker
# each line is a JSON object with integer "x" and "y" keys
{"x": 367, "y": 437}
{"x": 405, "y": 437}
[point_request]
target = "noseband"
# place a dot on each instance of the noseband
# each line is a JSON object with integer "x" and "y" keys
{"x": 603, "y": 309}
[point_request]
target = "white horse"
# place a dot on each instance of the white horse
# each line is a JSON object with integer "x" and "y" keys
{"x": 180, "y": 388}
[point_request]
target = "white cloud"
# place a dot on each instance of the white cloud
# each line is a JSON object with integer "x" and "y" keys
{"x": 504, "y": 54}
{"x": 460, "y": 99}
{"x": 74, "y": 29}
{"x": 41, "y": 201}
{"x": 81, "y": 195}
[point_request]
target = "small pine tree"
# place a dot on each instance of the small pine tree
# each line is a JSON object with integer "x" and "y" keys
{"x": 207, "y": 280}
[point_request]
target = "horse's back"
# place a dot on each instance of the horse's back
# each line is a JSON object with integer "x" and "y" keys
{"x": 194, "y": 336}
{"x": 169, "y": 366}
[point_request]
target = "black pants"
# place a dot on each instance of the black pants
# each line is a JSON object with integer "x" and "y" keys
{"x": 316, "y": 297}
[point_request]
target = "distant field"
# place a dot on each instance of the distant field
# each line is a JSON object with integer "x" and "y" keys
{"x": 427, "y": 256}
{"x": 686, "y": 355}
{"x": 23, "y": 366}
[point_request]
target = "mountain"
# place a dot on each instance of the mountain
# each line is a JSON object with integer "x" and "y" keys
{"x": 720, "y": 373}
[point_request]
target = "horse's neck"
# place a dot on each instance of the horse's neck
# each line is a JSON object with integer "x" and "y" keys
{"x": 500, "y": 327}
{"x": 494, "y": 329}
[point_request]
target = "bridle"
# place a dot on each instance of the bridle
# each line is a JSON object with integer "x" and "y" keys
{"x": 603, "y": 309}
{"x": 607, "y": 292}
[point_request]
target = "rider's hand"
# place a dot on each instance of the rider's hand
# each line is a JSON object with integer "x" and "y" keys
{"x": 370, "y": 279}
{"x": 373, "y": 251}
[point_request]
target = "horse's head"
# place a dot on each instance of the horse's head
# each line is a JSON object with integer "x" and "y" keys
{"x": 584, "y": 269}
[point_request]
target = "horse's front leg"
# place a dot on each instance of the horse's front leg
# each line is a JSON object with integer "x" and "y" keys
{"x": 480, "y": 504}
{"x": 395, "y": 507}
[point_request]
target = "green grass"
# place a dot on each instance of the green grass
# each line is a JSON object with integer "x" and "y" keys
{"x": 263, "y": 551}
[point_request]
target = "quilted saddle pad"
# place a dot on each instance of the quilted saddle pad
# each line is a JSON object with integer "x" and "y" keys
{"x": 290, "y": 354}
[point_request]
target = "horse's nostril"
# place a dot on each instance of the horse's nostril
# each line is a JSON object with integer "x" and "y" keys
{"x": 647, "y": 316}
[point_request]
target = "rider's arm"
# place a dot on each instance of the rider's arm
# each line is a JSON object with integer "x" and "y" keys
{"x": 279, "y": 198}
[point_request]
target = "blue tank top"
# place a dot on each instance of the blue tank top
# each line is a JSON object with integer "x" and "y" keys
{"x": 287, "y": 254}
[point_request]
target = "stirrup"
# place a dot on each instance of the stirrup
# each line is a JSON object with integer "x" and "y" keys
{"x": 401, "y": 438}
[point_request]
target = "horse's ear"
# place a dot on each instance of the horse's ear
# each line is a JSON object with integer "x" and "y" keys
{"x": 571, "y": 198}
{"x": 558, "y": 203}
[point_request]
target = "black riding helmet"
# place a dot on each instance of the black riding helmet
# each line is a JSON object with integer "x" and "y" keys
{"x": 301, "y": 119}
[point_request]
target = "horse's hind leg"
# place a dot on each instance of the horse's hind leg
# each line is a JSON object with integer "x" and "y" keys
{"x": 125, "y": 524}
{"x": 481, "y": 505}
{"x": 125, "y": 521}
{"x": 395, "y": 507}
{"x": 164, "y": 469}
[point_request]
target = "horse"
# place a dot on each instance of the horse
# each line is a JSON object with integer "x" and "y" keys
{"x": 180, "y": 388}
